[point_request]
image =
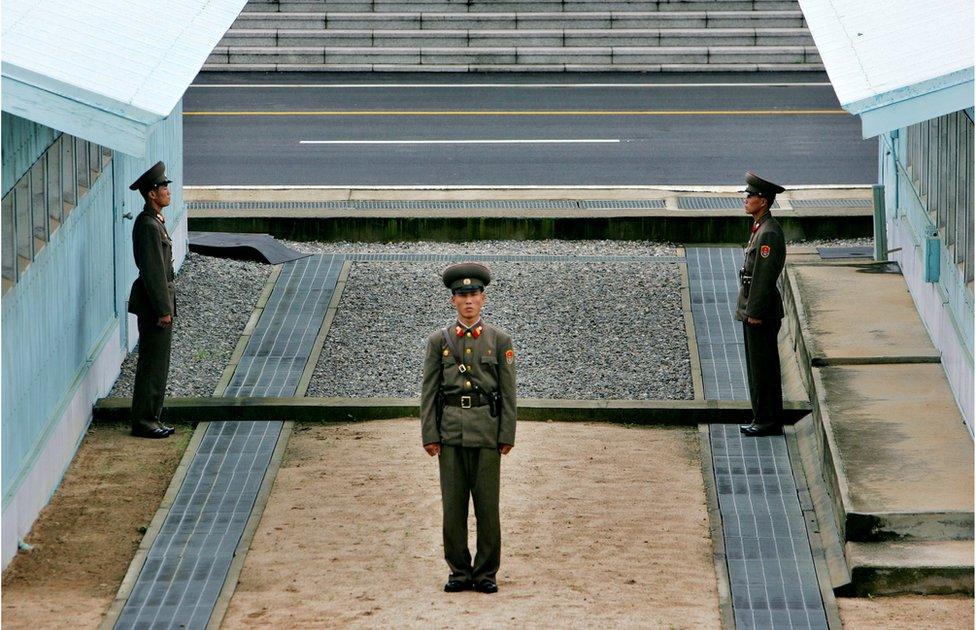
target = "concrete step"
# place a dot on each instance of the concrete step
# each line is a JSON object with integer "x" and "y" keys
{"x": 604, "y": 56}
{"x": 531, "y": 21}
{"x": 503, "y": 6}
{"x": 283, "y": 38}
{"x": 896, "y": 568}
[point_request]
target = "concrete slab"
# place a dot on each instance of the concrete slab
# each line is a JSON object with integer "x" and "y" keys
{"x": 852, "y": 314}
{"x": 903, "y": 458}
{"x": 931, "y": 568}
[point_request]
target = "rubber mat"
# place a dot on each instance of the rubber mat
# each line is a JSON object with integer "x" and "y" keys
{"x": 261, "y": 247}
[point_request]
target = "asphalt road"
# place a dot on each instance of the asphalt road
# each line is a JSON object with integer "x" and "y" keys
{"x": 284, "y": 129}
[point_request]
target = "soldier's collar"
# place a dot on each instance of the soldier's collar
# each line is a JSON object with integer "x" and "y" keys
{"x": 475, "y": 329}
{"x": 153, "y": 213}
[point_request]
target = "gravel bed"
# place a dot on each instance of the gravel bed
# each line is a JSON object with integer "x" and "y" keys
{"x": 836, "y": 242}
{"x": 215, "y": 299}
{"x": 583, "y": 331}
{"x": 473, "y": 248}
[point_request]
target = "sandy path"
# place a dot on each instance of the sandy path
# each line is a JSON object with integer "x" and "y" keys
{"x": 906, "y": 612}
{"x": 602, "y": 525}
{"x": 86, "y": 537}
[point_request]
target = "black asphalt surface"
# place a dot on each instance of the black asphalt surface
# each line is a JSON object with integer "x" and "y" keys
{"x": 706, "y": 137}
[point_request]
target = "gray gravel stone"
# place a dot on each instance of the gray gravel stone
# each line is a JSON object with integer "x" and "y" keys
{"x": 473, "y": 248}
{"x": 216, "y": 297}
{"x": 583, "y": 331}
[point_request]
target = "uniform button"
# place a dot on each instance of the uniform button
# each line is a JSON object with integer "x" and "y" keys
{"x": 470, "y": 368}
{"x": 467, "y": 383}
{"x": 467, "y": 351}
{"x": 467, "y": 334}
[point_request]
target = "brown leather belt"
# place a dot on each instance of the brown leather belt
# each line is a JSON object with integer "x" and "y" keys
{"x": 465, "y": 401}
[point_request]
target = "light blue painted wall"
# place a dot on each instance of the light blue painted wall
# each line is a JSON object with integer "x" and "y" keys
{"x": 57, "y": 316}
{"x": 23, "y": 142}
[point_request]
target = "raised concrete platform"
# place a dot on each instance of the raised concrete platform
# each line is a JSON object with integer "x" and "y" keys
{"x": 892, "y": 447}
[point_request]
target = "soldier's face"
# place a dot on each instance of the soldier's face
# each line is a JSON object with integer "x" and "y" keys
{"x": 469, "y": 304}
{"x": 160, "y": 196}
{"x": 754, "y": 204}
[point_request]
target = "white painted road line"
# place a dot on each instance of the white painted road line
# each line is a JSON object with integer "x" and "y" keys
{"x": 556, "y": 141}
{"x": 344, "y": 86}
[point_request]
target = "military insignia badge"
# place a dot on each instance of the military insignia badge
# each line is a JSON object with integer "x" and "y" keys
{"x": 764, "y": 251}
{"x": 446, "y": 352}
{"x": 509, "y": 356}
{"x": 466, "y": 281}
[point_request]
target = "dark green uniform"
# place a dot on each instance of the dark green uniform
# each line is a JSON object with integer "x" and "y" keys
{"x": 759, "y": 298}
{"x": 153, "y": 295}
{"x": 470, "y": 436}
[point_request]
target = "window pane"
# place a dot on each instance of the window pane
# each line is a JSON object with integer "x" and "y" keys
{"x": 22, "y": 207}
{"x": 39, "y": 203}
{"x": 54, "y": 199}
{"x": 81, "y": 149}
{"x": 68, "y": 184}
{"x": 8, "y": 245}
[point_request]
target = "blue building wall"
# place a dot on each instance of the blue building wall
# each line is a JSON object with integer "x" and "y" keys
{"x": 60, "y": 315}
{"x": 927, "y": 173}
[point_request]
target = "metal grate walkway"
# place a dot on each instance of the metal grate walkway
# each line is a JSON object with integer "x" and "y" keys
{"x": 188, "y": 562}
{"x": 771, "y": 570}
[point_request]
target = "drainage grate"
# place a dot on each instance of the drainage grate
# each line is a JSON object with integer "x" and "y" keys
{"x": 275, "y": 357}
{"x": 714, "y": 287}
{"x": 831, "y": 203}
{"x": 629, "y": 204}
{"x": 771, "y": 571}
{"x": 713, "y": 203}
{"x": 188, "y": 562}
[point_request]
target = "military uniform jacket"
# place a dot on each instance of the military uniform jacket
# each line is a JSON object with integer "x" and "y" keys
{"x": 765, "y": 256}
{"x": 153, "y": 293}
{"x": 490, "y": 362}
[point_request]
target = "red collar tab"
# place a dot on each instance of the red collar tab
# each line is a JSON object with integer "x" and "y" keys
{"x": 475, "y": 332}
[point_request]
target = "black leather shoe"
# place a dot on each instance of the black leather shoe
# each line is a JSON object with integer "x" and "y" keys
{"x": 166, "y": 428}
{"x": 759, "y": 430}
{"x": 153, "y": 433}
{"x": 456, "y": 586}
{"x": 486, "y": 586}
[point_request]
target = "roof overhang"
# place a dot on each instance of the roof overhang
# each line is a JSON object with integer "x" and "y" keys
{"x": 102, "y": 69}
{"x": 895, "y": 64}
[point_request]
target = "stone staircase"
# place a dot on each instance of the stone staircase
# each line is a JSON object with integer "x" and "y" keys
{"x": 517, "y": 35}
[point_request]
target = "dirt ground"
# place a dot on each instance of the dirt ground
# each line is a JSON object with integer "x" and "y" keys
{"x": 601, "y": 526}
{"x": 906, "y": 613}
{"x": 86, "y": 537}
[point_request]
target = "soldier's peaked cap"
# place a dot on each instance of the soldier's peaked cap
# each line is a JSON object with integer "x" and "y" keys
{"x": 156, "y": 176}
{"x": 760, "y": 186}
{"x": 466, "y": 277}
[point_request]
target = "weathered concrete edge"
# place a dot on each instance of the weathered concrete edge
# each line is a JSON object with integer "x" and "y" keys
{"x": 716, "y": 533}
{"x": 330, "y": 313}
{"x": 806, "y": 494}
{"x": 142, "y": 552}
{"x": 666, "y": 412}
{"x": 696, "y": 374}
{"x": 250, "y": 528}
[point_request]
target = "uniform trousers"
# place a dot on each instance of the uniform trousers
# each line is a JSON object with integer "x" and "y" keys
{"x": 762, "y": 367}
{"x": 152, "y": 368}
{"x": 471, "y": 472}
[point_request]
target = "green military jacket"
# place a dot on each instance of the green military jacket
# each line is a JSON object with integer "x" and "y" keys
{"x": 153, "y": 293}
{"x": 765, "y": 256}
{"x": 490, "y": 362}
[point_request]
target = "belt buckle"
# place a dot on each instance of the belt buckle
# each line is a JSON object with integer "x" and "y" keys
{"x": 465, "y": 402}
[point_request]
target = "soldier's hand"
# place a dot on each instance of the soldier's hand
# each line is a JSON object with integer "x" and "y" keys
{"x": 434, "y": 448}
{"x": 504, "y": 448}
{"x": 753, "y": 321}
{"x": 164, "y": 321}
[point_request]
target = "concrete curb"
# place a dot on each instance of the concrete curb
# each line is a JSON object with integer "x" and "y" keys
{"x": 638, "y": 412}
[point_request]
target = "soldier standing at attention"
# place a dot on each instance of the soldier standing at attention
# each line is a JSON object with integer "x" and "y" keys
{"x": 760, "y": 307}
{"x": 153, "y": 300}
{"x": 467, "y": 410}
